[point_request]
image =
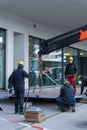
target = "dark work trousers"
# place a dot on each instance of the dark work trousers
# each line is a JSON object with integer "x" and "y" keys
{"x": 62, "y": 104}
{"x": 82, "y": 89}
{"x": 19, "y": 100}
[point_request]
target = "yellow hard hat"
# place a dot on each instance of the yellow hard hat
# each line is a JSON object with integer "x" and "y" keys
{"x": 79, "y": 77}
{"x": 20, "y": 62}
{"x": 66, "y": 82}
{"x": 70, "y": 58}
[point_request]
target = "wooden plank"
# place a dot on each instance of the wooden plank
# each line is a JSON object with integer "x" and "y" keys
{"x": 84, "y": 100}
{"x": 34, "y": 116}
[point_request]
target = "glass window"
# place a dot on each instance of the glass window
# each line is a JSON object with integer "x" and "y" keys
{"x": 33, "y": 58}
{"x": 52, "y": 65}
{"x": 82, "y": 62}
{"x": 33, "y": 53}
{"x": 2, "y": 36}
{"x": 2, "y": 58}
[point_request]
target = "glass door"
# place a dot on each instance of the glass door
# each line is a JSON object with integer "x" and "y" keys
{"x": 33, "y": 58}
{"x": 2, "y": 58}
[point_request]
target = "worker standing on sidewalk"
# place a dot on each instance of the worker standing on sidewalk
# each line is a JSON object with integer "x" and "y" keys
{"x": 17, "y": 81}
{"x": 70, "y": 72}
{"x": 83, "y": 79}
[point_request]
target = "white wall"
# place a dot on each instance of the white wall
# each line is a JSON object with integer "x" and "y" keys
{"x": 9, "y": 53}
{"x": 19, "y": 24}
{"x": 13, "y": 24}
{"x": 18, "y": 49}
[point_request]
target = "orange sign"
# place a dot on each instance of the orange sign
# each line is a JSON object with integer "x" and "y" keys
{"x": 83, "y": 35}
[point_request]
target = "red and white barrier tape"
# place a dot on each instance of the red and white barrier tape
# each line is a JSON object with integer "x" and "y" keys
{"x": 23, "y": 124}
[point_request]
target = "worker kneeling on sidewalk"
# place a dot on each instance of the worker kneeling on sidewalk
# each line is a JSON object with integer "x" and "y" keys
{"x": 66, "y": 98}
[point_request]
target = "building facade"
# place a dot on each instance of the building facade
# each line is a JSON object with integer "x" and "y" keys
{"x": 14, "y": 42}
{"x": 20, "y": 39}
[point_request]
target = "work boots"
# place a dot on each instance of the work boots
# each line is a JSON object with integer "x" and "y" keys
{"x": 63, "y": 108}
{"x": 73, "y": 108}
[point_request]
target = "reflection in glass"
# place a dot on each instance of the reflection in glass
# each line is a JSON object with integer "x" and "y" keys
{"x": 52, "y": 65}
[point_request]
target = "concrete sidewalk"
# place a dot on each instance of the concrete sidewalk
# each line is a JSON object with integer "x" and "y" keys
{"x": 55, "y": 120}
{"x": 68, "y": 120}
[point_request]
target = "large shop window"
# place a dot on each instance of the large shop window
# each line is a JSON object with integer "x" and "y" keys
{"x": 2, "y": 58}
{"x": 51, "y": 64}
{"x": 82, "y": 62}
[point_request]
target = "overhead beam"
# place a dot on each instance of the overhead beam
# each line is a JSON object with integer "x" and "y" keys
{"x": 63, "y": 40}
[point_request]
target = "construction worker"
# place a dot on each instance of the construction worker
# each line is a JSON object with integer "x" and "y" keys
{"x": 17, "y": 81}
{"x": 70, "y": 72}
{"x": 66, "y": 98}
{"x": 83, "y": 80}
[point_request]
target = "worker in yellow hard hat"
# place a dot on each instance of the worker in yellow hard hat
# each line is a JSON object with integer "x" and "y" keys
{"x": 70, "y": 58}
{"x": 70, "y": 72}
{"x": 79, "y": 77}
{"x": 20, "y": 63}
{"x": 17, "y": 80}
{"x": 66, "y": 97}
{"x": 83, "y": 79}
{"x": 66, "y": 82}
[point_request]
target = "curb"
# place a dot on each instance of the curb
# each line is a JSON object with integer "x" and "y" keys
{"x": 23, "y": 124}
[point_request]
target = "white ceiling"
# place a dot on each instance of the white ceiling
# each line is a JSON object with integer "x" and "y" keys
{"x": 63, "y": 15}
